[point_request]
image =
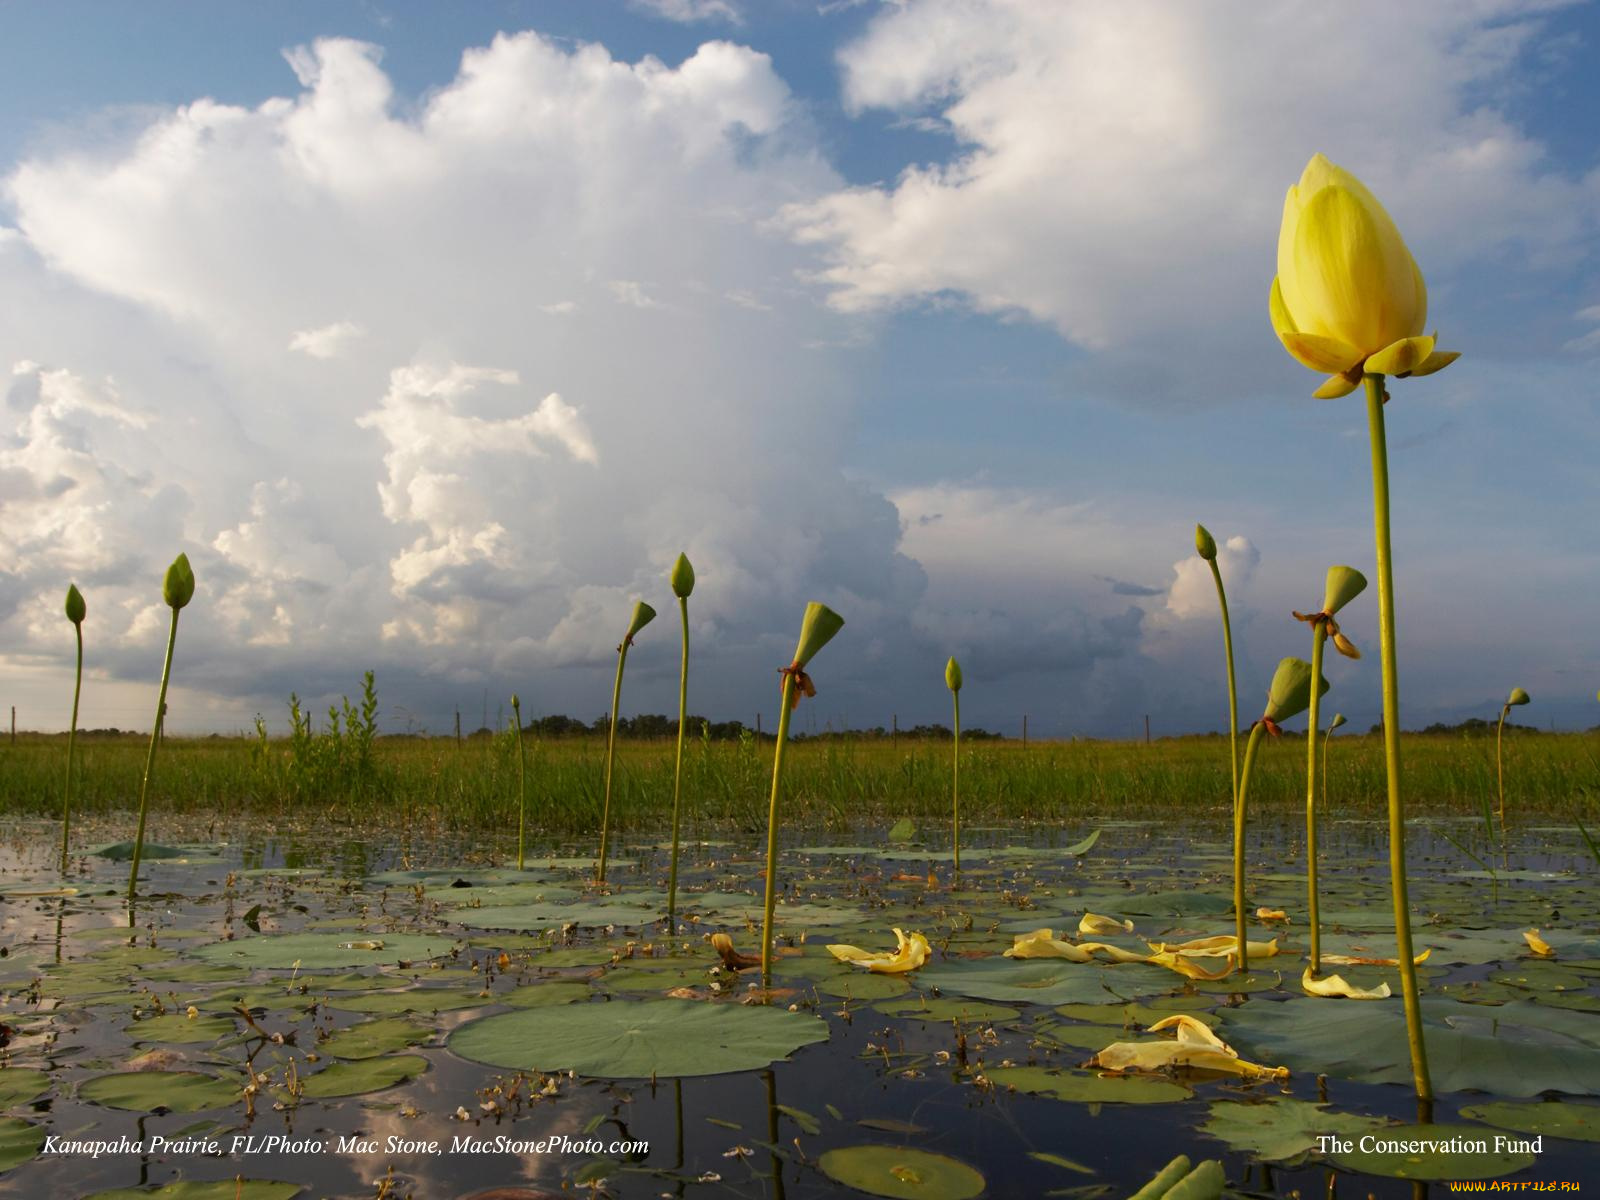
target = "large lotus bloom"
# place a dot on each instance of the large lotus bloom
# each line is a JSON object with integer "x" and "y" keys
{"x": 1348, "y": 298}
{"x": 910, "y": 953}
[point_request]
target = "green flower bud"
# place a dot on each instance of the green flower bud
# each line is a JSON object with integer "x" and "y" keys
{"x": 952, "y": 675}
{"x": 178, "y": 587}
{"x": 1344, "y": 585}
{"x": 516, "y": 705}
{"x": 1518, "y": 696}
{"x": 816, "y": 631}
{"x": 1204, "y": 544}
{"x": 1290, "y": 693}
{"x": 682, "y": 577}
{"x": 1338, "y": 720}
{"x": 643, "y": 614}
{"x": 76, "y": 608}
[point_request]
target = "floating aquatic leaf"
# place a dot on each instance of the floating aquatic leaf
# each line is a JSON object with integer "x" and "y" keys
{"x": 1045, "y": 981}
{"x": 150, "y": 1091}
{"x": 1282, "y": 1129}
{"x": 359, "y": 1077}
{"x": 946, "y": 1008}
{"x": 221, "y": 1189}
{"x": 315, "y": 951}
{"x": 19, "y": 1141}
{"x": 638, "y": 1039}
{"x": 1434, "y": 1152}
{"x": 1553, "y": 1118}
{"x": 902, "y": 1173}
{"x": 369, "y": 1039}
{"x": 18, "y": 1085}
{"x": 1084, "y": 1087}
{"x": 177, "y": 1029}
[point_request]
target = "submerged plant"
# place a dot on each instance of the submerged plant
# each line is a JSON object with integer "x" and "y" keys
{"x": 952, "y": 680}
{"x": 643, "y": 614}
{"x": 1289, "y": 696}
{"x": 522, "y": 782}
{"x": 1344, "y": 585}
{"x": 1206, "y": 547}
{"x": 1517, "y": 697}
{"x": 76, "y": 611}
{"x": 682, "y": 580}
{"x": 816, "y": 631}
{"x": 177, "y": 589}
{"x": 1349, "y": 300}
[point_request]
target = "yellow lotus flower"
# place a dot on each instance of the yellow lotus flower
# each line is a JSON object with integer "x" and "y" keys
{"x": 1113, "y": 953}
{"x": 1193, "y": 1030}
{"x": 1189, "y": 967}
{"x": 1094, "y": 923}
{"x": 1538, "y": 945}
{"x": 1221, "y": 946}
{"x": 1042, "y": 943}
{"x": 911, "y": 952}
{"x": 1337, "y": 985}
{"x": 1195, "y": 1046}
{"x": 1348, "y": 297}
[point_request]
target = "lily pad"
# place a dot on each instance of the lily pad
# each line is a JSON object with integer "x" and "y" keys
{"x": 315, "y": 951}
{"x": 1434, "y": 1152}
{"x": 19, "y": 1141}
{"x": 921, "y": 1007}
{"x": 638, "y": 1039}
{"x": 219, "y": 1189}
{"x": 18, "y": 1085}
{"x": 178, "y": 1030}
{"x": 359, "y": 1077}
{"x": 369, "y": 1039}
{"x": 1085, "y": 1087}
{"x": 151, "y": 1091}
{"x": 1045, "y": 981}
{"x": 1283, "y": 1130}
{"x": 417, "y": 1000}
{"x": 1557, "y": 1118}
{"x": 864, "y": 985}
{"x": 902, "y": 1173}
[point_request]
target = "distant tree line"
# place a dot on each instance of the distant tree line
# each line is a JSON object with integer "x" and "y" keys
{"x": 659, "y": 725}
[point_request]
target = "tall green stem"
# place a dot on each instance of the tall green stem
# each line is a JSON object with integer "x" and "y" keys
{"x": 1319, "y": 637}
{"x": 1391, "y": 737}
{"x": 955, "y": 785}
{"x": 611, "y": 758}
{"x": 1233, "y": 691}
{"x": 150, "y": 759}
{"x": 677, "y": 772}
{"x": 522, "y": 784}
{"x": 1500, "y": 771}
{"x": 785, "y": 706}
{"x": 72, "y": 740}
{"x": 1238, "y": 845}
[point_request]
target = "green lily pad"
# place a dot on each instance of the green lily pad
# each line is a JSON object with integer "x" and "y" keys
{"x": 864, "y": 985}
{"x": 1046, "y": 981}
{"x": 1557, "y": 1118}
{"x": 150, "y": 1091}
{"x": 921, "y": 1007}
{"x": 1434, "y": 1152}
{"x": 18, "y": 1085}
{"x": 1085, "y": 1087}
{"x": 220, "y": 1189}
{"x": 638, "y": 1039}
{"x": 544, "y": 995}
{"x": 1175, "y": 904}
{"x": 176, "y": 1029}
{"x": 417, "y": 1000}
{"x": 316, "y": 951}
{"x": 369, "y": 1039}
{"x": 123, "y": 852}
{"x": 361, "y": 1076}
{"x": 902, "y": 1173}
{"x": 1283, "y": 1130}
{"x": 19, "y": 1141}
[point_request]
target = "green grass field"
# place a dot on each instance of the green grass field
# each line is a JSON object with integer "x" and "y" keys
{"x": 828, "y": 783}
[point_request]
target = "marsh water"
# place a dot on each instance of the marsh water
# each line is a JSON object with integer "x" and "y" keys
{"x": 329, "y": 972}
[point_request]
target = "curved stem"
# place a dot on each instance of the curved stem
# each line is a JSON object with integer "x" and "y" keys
{"x": 1238, "y": 846}
{"x": 1391, "y": 737}
{"x": 611, "y": 758}
{"x": 1233, "y": 692}
{"x": 72, "y": 739}
{"x": 522, "y": 785}
{"x": 955, "y": 786}
{"x": 785, "y": 707}
{"x": 677, "y": 772}
{"x": 1319, "y": 637}
{"x": 150, "y": 759}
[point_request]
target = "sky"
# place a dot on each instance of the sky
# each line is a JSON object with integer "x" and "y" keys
{"x": 432, "y": 334}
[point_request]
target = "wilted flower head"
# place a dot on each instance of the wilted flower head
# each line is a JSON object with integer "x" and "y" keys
{"x": 178, "y": 587}
{"x": 1204, "y": 544}
{"x": 952, "y": 675}
{"x": 76, "y": 608}
{"x": 643, "y": 614}
{"x": 1290, "y": 693}
{"x": 1344, "y": 585}
{"x": 816, "y": 631}
{"x": 682, "y": 577}
{"x": 1338, "y": 720}
{"x": 1348, "y": 297}
{"x": 1518, "y": 696}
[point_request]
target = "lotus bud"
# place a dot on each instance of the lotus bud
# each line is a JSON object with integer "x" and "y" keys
{"x": 178, "y": 587}
{"x": 1518, "y": 696}
{"x": 643, "y": 614}
{"x": 682, "y": 577}
{"x": 76, "y": 608}
{"x": 1290, "y": 693}
{"x": 516, "y": 704}
{"x": 1338, "y": 720}
{"x": 952, "y": 675}
{"x": 816, "y": 631}
{"x": 1344, "y": 585}
{"x": 1204, "y": 544}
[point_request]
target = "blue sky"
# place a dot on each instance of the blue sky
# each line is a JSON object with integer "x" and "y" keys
{"x": 432, "y": 333}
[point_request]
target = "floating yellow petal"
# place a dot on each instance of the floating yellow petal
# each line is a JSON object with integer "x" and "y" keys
{"x": 1164, "y": 1055}
{"x": 1094, "y": 923}
{"x": 911, "y": 952}
{"x": 1221, "y": 946}
{"x": 1114, "y": 953}
{"x": 1189, "y": 967}
{"x": 1270, "y": 914}
{"x": 1354, "y": 960}
{"x": 1042, "y": 943}
{"x": 1193, "y": 1031}
{"x": 1538, "y": 945}
{"x": 1336, "y": 985}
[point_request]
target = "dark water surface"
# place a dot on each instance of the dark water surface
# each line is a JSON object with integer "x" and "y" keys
{"x": 80, "y": 988}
